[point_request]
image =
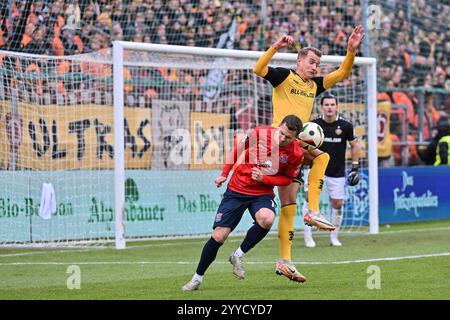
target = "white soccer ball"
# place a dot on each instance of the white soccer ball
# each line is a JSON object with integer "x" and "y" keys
{"x": 311, "y": 135}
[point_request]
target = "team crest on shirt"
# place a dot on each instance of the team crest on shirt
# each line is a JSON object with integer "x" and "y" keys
{"x": 218, "y": 216}
{"x": 283, "y": 159}
{"x": 267, "y": 167}
{"x": 338, "y": 131}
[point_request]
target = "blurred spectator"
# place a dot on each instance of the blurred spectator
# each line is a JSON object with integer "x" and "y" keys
{"x": 39, "y": 44}
{"x": 428, "y": 153}
{"x": 412, "y": 44}
{"x": 430, "y": 118}
{"x": 72, "y": 43}
{"x": 415, "y": 36}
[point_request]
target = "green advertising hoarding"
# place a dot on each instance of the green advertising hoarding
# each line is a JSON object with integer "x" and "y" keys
{"x": 157, "y": 203}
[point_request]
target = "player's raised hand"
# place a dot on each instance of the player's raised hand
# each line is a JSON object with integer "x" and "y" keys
{"x": 355, "y": 39}
{"x": 257, "y": 174}
{"x": 283, "y": 42}
{"x": 219, "y": 181}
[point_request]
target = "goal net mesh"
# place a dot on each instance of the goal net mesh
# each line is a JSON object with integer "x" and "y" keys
{"x": 181, "y": 112}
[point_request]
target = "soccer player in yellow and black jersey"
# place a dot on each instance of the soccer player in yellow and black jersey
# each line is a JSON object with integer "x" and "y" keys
{"x": 293, "y": 93}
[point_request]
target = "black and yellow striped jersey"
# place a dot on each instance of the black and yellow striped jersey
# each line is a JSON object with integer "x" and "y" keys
{"x": 291, "y": 94}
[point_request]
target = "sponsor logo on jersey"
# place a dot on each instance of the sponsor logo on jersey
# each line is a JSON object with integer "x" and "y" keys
{"x": 332, "y": 140}
{"x": 265, "y": 164}
{"x": 302, "y": 93}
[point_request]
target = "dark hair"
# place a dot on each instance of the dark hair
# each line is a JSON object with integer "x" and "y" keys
{"x": 293, "y": 123}
{"x": 328, "y": 96}
{"x": 443, "y": 126}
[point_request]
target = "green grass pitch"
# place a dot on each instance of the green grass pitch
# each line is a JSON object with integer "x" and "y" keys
{"x": 413, "y": 262}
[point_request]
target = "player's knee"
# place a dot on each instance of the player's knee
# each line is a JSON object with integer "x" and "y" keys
{"x": 266, "y": 223}
{"x": 336, "y": 204}
{"x": 220, "y": 234}
{"x": 265, "y": 218}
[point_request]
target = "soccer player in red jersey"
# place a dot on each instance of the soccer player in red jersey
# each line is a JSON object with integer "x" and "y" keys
{"x": 265, "y": 158}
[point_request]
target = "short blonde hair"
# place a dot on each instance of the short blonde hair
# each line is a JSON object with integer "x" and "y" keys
{"x": 304, "y": 52}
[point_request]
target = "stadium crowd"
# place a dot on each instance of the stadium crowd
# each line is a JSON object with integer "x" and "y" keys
{"x": 411, "y": 40}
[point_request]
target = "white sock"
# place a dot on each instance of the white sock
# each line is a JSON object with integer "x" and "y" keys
{"x": 308, "y": 231}
{"x": 305, "y": 208}
{"x": 197, "y": 277}
{"x": 336, "y": 219}
{"x": 239, "y": 253}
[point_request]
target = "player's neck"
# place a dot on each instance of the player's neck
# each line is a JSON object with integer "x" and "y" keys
{"x": 331, "y": 119}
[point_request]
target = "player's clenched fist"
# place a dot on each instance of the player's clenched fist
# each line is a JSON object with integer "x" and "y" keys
{"x": 257, "y": 174}
{"x": 219, "y": 181}
{"x": 283, "y": 42}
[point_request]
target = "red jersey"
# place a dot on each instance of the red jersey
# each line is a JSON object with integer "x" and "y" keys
{"x": 280, "y": 165}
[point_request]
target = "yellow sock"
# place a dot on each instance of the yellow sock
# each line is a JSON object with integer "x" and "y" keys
{"x": 315, "y": 180}
{"x": 286, "y": 230}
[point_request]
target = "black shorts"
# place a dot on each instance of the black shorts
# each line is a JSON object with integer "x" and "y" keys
{"x": 299, "y": 178}
{"x": 234, "y": 204}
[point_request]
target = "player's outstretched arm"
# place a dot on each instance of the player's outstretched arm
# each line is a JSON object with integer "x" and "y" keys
{"x": 354, "y": 41}
{"x": 261, "y": 67}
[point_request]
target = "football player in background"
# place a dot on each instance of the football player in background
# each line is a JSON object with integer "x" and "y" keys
{"x": 337, "y": 132}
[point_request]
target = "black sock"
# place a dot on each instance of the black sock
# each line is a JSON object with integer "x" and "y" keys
{"x": 209, "y": 254}
{"x": 254, "y": 235}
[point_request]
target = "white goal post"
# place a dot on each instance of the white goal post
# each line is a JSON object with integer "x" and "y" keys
{"x": 119, "y": 63}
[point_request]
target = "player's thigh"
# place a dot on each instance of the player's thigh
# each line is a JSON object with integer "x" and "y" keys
{"x": 336, "y": 190}
{"x": 262, "y": 210}
{"x": 288, "y": 194}
{"x": 230, "y": 210}
{"x": 310, "y": 155}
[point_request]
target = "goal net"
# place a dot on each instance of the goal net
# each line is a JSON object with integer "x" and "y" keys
{"x": 113, "y": 146}
{"x": 56, "y": 149}
{"x": 201, "y": 97}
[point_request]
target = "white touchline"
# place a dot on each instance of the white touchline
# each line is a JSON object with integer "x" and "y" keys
{"x": 431, "y": 255}
{"x": 202, "y": 240}
{"x": 32, "y": 253}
